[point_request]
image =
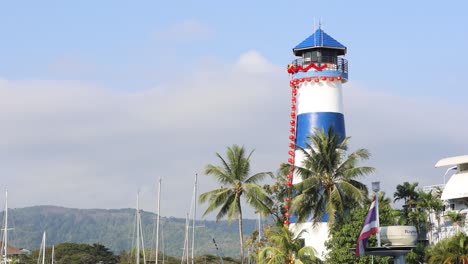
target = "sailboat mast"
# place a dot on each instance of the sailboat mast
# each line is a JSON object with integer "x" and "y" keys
{"x": 138, "y": 230}
{"x": 53, "y": 254}
{"x": 185, "y": 255}
{"x": 194, "y": 216}
{"x": 157, "y": 221}
{"x": 5, "y": 242}
{"x": 43, "y": 247}
{"x": 142, "y": 243}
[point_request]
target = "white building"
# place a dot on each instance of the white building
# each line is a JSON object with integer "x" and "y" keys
{"x": 454, "y": 197}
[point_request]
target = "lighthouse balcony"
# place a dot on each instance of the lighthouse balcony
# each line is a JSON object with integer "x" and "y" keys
{"x": 321, "y": 66}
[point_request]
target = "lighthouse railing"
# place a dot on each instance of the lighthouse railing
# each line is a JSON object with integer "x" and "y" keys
{"x": 333, "y": 63}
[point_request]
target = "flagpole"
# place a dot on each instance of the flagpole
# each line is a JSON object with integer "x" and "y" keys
{"x": 377, "y": 219}
{"x": 376, "y": 189}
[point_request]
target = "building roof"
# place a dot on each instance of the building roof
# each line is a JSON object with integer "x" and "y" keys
{"x": 12, "y": 250}
{"x": 319, "y": 39}
{"x": 456, "y": 187}
{"x": 452, "y": 161}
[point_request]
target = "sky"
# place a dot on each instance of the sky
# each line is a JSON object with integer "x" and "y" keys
{"x": 100, "y": 99}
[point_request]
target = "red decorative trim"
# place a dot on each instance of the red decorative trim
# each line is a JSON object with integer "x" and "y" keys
{"x": 295, "y": 82}
{"x": 289, "y": 182}
{"x": 295, "y": 69}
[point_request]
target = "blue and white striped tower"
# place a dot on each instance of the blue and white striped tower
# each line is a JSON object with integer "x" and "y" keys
{"x": 317, "y": 103}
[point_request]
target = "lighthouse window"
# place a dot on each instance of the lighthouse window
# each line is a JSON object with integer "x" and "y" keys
{"x": 320, "y": 56}
{"x": 316, "y": 56}
{"x": 307, "y": 57}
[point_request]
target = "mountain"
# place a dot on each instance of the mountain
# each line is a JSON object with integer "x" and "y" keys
{"x": 114, "y": 229}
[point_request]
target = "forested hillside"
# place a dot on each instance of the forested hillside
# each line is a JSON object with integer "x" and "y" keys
{"x": 114, "y": 229}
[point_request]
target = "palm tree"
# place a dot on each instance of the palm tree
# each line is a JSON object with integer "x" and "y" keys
{"x": 406, "y": 192}
{"x": 277, "y": 192}
{"x": 283, "y": 248}
{"x": 437, "y": 207}
{"x": 421, "y": 215}
{"x": 451, "y": 250}
{"x": 328, "y": 178}
{"x": 234, "y": 176}
{"x": 458, "y": 219}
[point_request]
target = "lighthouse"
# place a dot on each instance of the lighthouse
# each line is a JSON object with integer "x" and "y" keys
{"x": 317, "y": 74}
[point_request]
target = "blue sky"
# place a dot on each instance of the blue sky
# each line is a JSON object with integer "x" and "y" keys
{"x": 124, "y": 38}
{"x": 125, "y": 92}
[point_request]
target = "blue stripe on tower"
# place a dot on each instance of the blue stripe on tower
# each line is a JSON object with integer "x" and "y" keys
{"x": 308, "y": 122}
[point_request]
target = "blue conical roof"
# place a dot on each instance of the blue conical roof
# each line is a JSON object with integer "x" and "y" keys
{"x": 319, "y": 39}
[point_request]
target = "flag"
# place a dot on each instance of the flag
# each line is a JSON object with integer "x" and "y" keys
{"x": 369, "y": 227}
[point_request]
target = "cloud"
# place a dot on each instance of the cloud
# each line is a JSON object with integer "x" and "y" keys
{"x": 79, "y": 144}
{"x": 406, "y": 135}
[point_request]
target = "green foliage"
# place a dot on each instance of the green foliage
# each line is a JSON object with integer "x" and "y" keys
{"x": 113, "y": 228}
{"x": 408, "y": 193}
{"x": 236, "y": 182}
{"x": 416, "y": 255}
{"x": 344, "y": 233}
{"x": 284, "y": 248}
{"x": 234, "y": 176}
{"x": 457, "y": 218}
{"x": 72, "y": 253}
{"x": 329, "y": 176}
{"x": 452, "y": 250}
{"x": 277, "y": 192}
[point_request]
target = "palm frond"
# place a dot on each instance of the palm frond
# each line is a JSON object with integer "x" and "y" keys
{"x": 226, "y": 209}
{"x": 271, "y": 255}
{"x": 258, "y": 177}
{"x": 355, "y": 172}
{"x": 234, "y": 207}
{"x": 307, "y": 254}
{"x": 226, "y": 166}
{"x": 220, "y": 174}
{"x": 256, "y": 197}
{"x": 217, "y": 198}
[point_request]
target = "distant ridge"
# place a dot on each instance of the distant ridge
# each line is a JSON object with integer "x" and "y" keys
{"x": 114, "y": 229}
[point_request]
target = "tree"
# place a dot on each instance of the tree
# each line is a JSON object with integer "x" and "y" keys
{"x": 427, "y": 206}
{"x": 328, "y": 178}
{"x": 437, "y": 207}
{"x": 234, "y": 176}
{"x": 285, "y": 248}
{"x": 73, "y": 253}
{"x": 277, "y": 192}
{"x": 458, "y": 219}
{"x": 406, "y": 192}
{"x": 344, "y": 233}
{"x": 451, "y": 250}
